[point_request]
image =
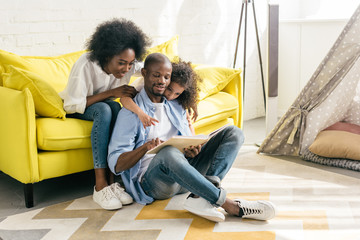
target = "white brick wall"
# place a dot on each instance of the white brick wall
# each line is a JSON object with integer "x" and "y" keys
{"x": 207, "y": 29}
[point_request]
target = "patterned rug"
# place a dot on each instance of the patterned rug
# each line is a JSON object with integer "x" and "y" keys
{"x": 312, "y": 204}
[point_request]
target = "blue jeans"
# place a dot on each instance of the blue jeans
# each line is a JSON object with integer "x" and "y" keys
{"x": 104, "y": 115}
{"x": 171, "y": 173}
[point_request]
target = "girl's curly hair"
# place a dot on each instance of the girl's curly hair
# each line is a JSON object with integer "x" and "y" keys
{"x": 185, "y": 76}
{"x": 113, "y": 37}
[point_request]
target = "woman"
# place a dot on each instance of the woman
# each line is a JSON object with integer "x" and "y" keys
{"x": 96, "y": 78}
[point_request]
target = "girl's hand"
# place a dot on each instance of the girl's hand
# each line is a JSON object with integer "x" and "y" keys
{"x": 192, "y": 151}
{"x": 146, "y": 120}
{"x": 189, "y": 122}
{"x": 194, "y": 113}
{"x": 124, "y": 91}
{"x": 188, "y": 117}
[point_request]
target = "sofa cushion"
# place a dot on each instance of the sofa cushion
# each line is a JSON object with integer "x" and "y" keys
{"x": 214, "y": 79}
{"x": 57, "y": 135}
{"x": 216, "y": 107}
{"x": 46, "y": 100}
{"x": 54, "y": 69}
{"x": 54, "y": 134}
{"x": 207, "y": 129}
{"x": 60, "y": 163}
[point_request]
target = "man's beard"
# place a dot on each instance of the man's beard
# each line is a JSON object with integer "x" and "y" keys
{"x": 158, "y": 93}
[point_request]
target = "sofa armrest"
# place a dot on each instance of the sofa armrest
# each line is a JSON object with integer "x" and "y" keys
{"x": 18, "y": 148}
{"x": 235, "y": 88}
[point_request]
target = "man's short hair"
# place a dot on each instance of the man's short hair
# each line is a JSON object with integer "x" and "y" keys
{"x": 156, "y": 58}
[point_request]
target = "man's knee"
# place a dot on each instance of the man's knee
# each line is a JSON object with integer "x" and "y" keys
{"x": 170, "y": 152}
{"x": 235, "y": 134}
{"x": 170, "y": 156}
{"x": 165, "y": 190}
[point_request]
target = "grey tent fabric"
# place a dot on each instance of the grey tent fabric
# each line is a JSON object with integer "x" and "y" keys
{"x": 286, "y": 137}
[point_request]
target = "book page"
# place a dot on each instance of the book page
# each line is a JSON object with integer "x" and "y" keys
{"x": 213, "y": 133}
{"x": 180, "y": 142}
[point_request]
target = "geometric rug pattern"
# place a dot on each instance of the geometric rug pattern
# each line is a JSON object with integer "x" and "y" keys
{"x": 312, "y": 204}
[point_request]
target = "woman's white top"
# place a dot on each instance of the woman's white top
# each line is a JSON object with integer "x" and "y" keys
{"x": 138, "y": 84}
{"x": 87, "y": 79}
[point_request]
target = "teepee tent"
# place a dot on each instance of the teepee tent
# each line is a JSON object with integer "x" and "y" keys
{"x": 331, "y": 95}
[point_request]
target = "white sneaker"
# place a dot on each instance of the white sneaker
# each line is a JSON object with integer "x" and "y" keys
{"x": 259, "y": 210}
{"x": 120, "y": 193}
{"x": 106, "y": 199}
{"x": 203, "y": 208}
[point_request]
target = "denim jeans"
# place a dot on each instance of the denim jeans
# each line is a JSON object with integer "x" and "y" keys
{"x": 104, "y": 115}
{"x": 171, "y": 173}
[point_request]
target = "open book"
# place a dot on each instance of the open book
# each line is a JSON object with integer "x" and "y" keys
{"x": 181, "y": 142}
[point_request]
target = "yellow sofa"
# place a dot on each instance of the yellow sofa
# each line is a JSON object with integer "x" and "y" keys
{"x": 38, "y": 142}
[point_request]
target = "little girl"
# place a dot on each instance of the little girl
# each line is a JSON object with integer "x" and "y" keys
{"x": 98, "y": 76}
{"x": 183, "y": 87}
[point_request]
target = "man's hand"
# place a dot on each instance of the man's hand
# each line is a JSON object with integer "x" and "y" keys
{"x": 128, "y": 159}
{"x": 152, "y": 143}
{"x": 192, "y": 151}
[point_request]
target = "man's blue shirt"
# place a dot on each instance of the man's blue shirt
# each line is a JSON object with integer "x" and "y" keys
{"x": 129, "y": 134}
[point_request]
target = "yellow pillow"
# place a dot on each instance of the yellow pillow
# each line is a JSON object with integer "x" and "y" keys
{"x": 214, "y": 79}
{"x": 46, "y": 100}
{"x": 55, "y": 70}
{"x": 169, "y": 48}
{"x": 2, "y": 70}
{"x": 337, "y": 144}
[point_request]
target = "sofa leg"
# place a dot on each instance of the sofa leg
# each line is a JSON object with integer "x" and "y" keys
{"x": 29, "y": 196}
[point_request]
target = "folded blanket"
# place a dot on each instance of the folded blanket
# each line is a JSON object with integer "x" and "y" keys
{"x": 334, "y": 162}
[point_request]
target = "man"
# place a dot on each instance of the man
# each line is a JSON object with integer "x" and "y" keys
{"x": 170, "y": 172}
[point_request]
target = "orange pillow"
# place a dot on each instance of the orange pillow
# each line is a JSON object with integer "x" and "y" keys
{"x": 344, "y": 126}
{"x": 336, "y": 144}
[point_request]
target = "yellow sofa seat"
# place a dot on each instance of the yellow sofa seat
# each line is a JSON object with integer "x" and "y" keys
{"x": 34, "y": 147}
{"x": 53, "y": 134}
{"x": 215, "y": 108}
{"x": 60, "y": 163}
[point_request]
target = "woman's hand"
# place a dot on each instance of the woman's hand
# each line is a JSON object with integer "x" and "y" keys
{"x": 192, "y": 151}
{"x": 119, "y": 92}
{"x": 124, "y": 91}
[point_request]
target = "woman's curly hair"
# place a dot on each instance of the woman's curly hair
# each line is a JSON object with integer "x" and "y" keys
{"x": 113, "y": 37}
{"x": 185, "y": 76}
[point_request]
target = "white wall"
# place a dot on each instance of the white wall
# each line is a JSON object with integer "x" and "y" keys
{"x": 307, "y": 31}
{"x": 207, "y": 29}
{"x": 317, "y": 9}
